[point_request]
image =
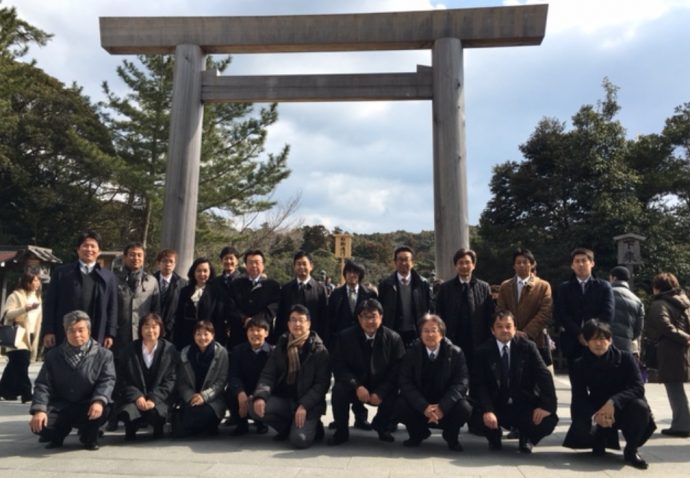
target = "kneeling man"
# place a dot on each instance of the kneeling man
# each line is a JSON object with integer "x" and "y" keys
{"x": 433, "y": 383}
{"x": 74, "y": 386}
{"x": 512, "y": 387}
{"x": 365, "y": 364}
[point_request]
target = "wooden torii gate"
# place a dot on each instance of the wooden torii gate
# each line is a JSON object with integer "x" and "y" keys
{"x": 445, "y": 32}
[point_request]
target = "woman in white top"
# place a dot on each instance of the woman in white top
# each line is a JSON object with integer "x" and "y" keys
{"x": 23, "y": 308}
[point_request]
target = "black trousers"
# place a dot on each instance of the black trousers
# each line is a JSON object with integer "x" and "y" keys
{"x": 234, "y": 408}
{"x": 633, "y": 421}
{"x": 518, "y": 416}
{"x": 196, "y": 420}
{"x": 133, "y": 417}
{"x": 418, "y": 426}
{"x": 342, "y": 395}
{"x": 15, "y": 379}
{"x": 61, "y": 422}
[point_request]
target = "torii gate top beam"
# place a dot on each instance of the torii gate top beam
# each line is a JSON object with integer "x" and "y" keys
{"x": 475, "y": 27}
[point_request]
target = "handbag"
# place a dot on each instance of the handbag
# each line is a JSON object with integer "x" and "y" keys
{"x": 8, "y": 335}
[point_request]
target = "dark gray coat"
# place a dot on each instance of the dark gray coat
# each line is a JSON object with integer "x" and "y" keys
{"x": 133, "y": 305}
{"x": 214, "y": 384}
{"x": 59, "y": 385}
{"x": 313, "y": 379}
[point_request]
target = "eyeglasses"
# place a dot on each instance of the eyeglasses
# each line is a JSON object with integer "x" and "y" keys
{"x": 300, "y": 320}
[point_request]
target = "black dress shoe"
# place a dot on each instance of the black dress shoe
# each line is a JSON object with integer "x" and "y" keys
{"x": 362, "y": 425}
{"x": 53, "y": 444}
{"x": 513, "y": 434}
{"x": 338, "y": 438}
{"x": 242, "y": 429}
{"x": 634, "y": 459}
{"x": 331, "y": 426}
{"x": 27, "y": 398}
{"x": 43, "y": 439}
{"x": 385, "y": 435}
{"x": 495, "y": 444}
{"x": 412, "y": 442}
{"x": 525, "y": 446}
{"x": 261, "y": 429}
{"x": 675, "y": 433}
{"x": 455, "y": 446}
{"x": 91, "y": 446}
{"x": 282, "y": 436}
{"x": 320, "y": 433}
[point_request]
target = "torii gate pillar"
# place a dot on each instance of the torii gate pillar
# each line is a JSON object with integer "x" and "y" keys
{"x": 451, "y": 220}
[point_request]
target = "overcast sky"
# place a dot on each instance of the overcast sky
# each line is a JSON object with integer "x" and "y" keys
{"x": 366, "y": 167}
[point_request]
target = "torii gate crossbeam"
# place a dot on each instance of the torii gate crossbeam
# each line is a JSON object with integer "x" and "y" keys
{"x": 445, "y": 32}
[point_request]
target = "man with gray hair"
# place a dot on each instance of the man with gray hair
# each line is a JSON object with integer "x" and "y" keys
{"x": 628, "y": 315}
{"x": 74, "y": 386}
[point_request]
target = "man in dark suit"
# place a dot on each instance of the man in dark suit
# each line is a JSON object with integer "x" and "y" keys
{"x": 305, "y": 290}
{"x": 579, "y": 299}
{"x": 254, "y": 294}
{"x": 433, "y": 382}
{"x": 225, "y": 308}
{"x": 344, "y": 300}
{"x": 512, "y": 387}
{"x": 405, "y": 296}
{"x": 465, "y": 304}
{"x": 82, "y": 285}
{"x": 365, "y": 363}
{"x": 170, "y": 283}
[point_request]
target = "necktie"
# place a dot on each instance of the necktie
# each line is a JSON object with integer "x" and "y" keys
{"x": 505, "y": 367}
{"x": 584, "y": 286}
{"x": 370, "y": 343}
{"x": 164, "y": 286}
{"x": 520, "y": 286}
{"x": 352, "y": 297}
{"x": 432, "y": 356}
{"x": 404, "y": 280}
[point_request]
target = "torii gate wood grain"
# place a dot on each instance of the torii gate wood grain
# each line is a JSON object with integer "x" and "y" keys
{"x": 445, "y": 32}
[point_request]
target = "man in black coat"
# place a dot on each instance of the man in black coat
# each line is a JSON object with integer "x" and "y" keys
{"x": 580, "y": 299}
{"x": 246, "y": 363}
{"x": 225, "y": 309}
{"x": 608, "y": 395}
{"x": 170, "y": 284}
{"x": 465, "y": 304}
{"x": 512, "y": 387}
{"x": 305, "y": 290}
{"x": 346, "y": 299}
{"x": 82, "y": 285}
{"x": 365, "y": 363}
{"x": 405, "y": 296}
{"x": 433, "y": 382}
{"x": 255, "y": 295}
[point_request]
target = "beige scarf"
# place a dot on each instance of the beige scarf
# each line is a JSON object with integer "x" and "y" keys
{"x": 293, "y": 347}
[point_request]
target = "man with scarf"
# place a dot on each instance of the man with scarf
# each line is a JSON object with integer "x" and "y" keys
{"x": 74, "y": 386}
{"x": 291, "y": 394}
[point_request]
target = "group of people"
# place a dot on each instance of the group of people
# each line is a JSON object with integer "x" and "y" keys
{"x": 185, "y": 350}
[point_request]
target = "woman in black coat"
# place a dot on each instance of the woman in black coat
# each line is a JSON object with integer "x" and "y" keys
{"x": 147, "y": 367}
{"x": 607, "y": 396}
{"x": 197, "y": 302}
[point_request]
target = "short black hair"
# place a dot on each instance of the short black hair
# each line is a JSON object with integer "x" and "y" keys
{"x": 300, "y": 254}
{"x": 370, "y": 305}
{"x": 300, "y": 309}
{"x": 501, "y": 314}
{"x": 462, "y": 252}
{"x": 133, "y": 245}
{"x": 400, "y": 249}
{"x": 620, "y": 273}
{"x": 526, "y": 253}
{"x": 595, "y": 328}
{"x": 582, "y": 251}
{"x": 229, "y": 250}
{"x": 258, "y": 322}
{"x": 89, "y": 234}
{"x": 352, "y": 266}
{"x": 254, "y": 252}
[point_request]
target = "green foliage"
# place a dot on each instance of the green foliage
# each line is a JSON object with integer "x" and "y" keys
{"x": 583, "y": 186}
{"x": 16, "y": 35}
